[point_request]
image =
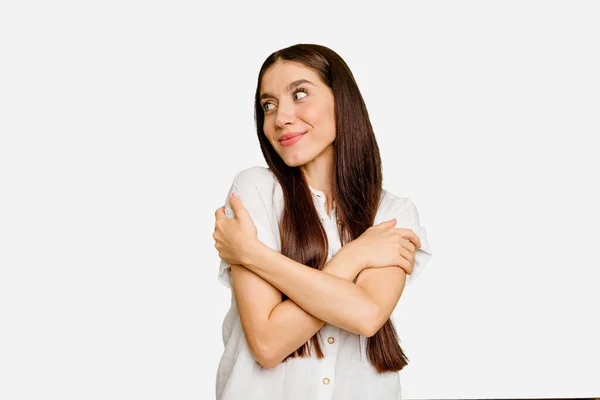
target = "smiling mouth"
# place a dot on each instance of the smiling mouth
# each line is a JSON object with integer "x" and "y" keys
{"x": 292, "y": 140}
{"x": 287, "y": 135}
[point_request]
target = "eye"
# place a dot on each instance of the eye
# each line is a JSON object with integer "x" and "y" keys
{"x": 302, "y": 90}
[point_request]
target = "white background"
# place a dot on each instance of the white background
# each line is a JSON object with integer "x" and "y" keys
{"x": 123, "y": 124}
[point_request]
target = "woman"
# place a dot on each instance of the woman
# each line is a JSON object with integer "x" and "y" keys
{"x": 310, "y": 247}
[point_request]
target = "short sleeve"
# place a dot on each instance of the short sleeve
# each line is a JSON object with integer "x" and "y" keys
{"x": 249, "y": 186}
{"x": 407, "y": 216}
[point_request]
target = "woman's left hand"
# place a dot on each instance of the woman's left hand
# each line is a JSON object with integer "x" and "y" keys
{"x": 234, "y": 237}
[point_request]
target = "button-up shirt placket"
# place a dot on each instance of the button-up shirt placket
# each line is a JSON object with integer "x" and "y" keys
{"x": 329, "y": 332}
{"x": 327, "y": 364}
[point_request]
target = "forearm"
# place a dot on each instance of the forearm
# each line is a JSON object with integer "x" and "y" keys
{"x": 327, "y": 297}
{"x": 289, "y": 326}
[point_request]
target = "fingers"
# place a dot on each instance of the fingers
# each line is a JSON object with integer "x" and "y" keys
{"x": 237, "y": 206}
{"x": 408, "y": 234}
{"x": 223, "y": 211}
{"x": 235, "y": 203}
{"x": 219, "y": 212}
{"x": 404, "y": 263}
{"x": 385, "y": 224}
{"x": 406, "y": 260}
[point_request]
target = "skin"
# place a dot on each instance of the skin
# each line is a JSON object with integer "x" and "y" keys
{"x": 379, "y": 259}
{"x": 312, "y": 112}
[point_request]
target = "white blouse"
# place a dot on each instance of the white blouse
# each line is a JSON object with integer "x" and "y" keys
{"x": 345, "y": 372}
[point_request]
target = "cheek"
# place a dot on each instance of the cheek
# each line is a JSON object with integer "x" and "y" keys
{"x": 268, "y": 132}
{"x": 323, "y": 119}
{"x": 314, "y": 115}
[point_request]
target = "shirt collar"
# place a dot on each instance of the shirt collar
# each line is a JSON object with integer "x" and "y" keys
{"x": 320, "y": 195}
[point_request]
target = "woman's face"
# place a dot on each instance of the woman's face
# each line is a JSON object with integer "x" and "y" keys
{"x": 306, "y": 107}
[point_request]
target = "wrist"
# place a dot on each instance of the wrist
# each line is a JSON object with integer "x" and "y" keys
{"x": 353, "y": 252}
{"x": 346, "y": 263}
{"x": 252, "y": 250}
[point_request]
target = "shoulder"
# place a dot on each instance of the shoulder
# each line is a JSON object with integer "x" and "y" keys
{"x": 393, "y": 206}
{"x": 253, "y": 178}
{"x": 255, "y": 173}
{"x": 407, "y": 216}
{"x": 255, "y": 185}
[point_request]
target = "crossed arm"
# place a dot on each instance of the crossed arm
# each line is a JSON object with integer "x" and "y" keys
{"x": 275, "y": 328}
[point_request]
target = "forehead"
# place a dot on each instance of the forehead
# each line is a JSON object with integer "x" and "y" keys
{"x": 280, "y": 74}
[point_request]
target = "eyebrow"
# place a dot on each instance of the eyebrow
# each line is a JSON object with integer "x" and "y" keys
{"x": 289, "y": 87}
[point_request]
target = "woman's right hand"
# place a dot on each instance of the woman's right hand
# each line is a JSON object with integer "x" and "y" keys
{"x": 382, "y": 245}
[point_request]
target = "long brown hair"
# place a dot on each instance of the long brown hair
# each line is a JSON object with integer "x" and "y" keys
{"x": 356, "y": 183}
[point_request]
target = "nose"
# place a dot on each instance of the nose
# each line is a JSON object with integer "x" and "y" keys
{"x": 285, "y": 115}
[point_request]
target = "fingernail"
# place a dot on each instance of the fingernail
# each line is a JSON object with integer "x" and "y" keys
{"x": 232, "y": 194}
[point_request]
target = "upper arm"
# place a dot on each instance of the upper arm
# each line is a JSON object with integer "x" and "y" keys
{"x": 255, "y": 297}
{"x": 386, "y": 285}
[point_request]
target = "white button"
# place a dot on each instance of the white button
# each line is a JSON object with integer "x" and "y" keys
{"x": 326, "y": 381}
{"x": 330, "y": 340}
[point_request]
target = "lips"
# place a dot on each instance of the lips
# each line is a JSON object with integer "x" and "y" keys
{"x": 290, "y": 135}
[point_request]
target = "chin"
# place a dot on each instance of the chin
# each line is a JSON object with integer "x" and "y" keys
{"x": 295, "y": 160}
{"x": 294, "y": 163}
